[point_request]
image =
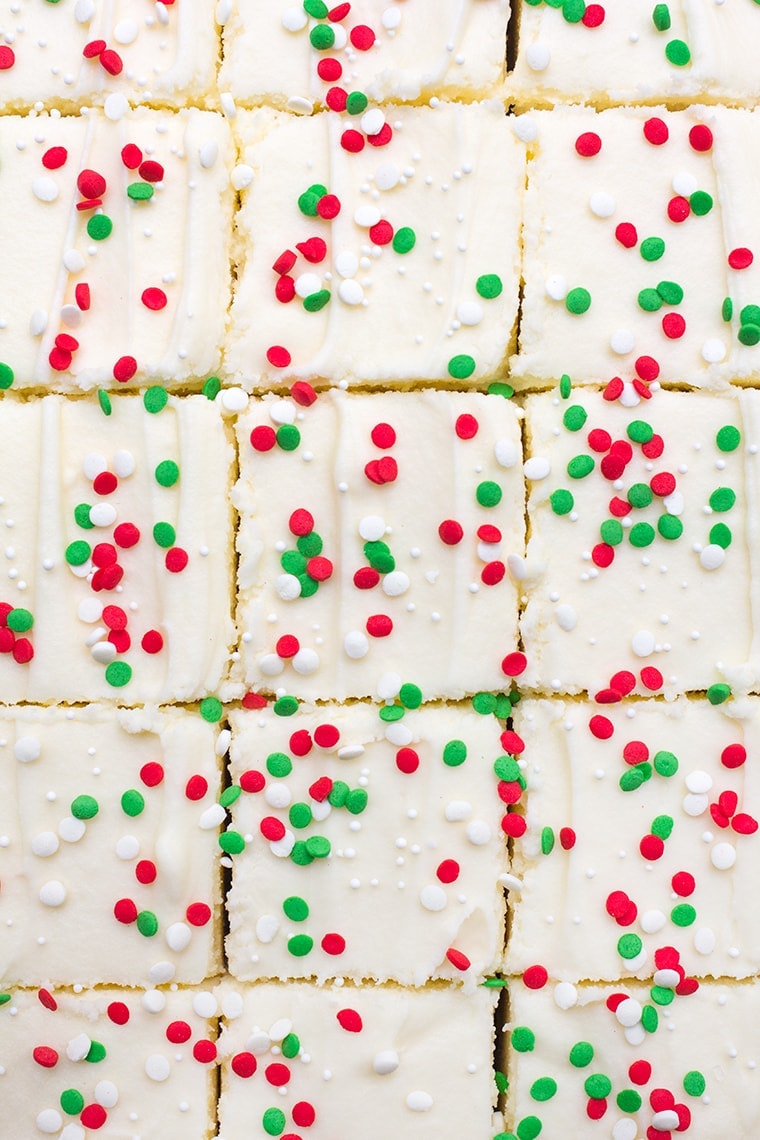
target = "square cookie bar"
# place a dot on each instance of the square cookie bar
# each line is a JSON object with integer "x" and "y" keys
{"x": 286, "y": 54}
{"x": 345, "y": 1061}
{"x": 645, "y": 264}
{"x": 380, "y": 248}
{"x": 108, "y": 861}
{"x": 100, "y": 51}
{"x": 374, "y": 537}
{"x": 642, "y": 555}
{"x": 115, "y": 525}
{"x": 583, "y": 1064}
{"x": 357, "y": 824}
{"x": 118, "y": 232}
{"x": 131, "y": 1063}
{"x": 641, "y": 840}
{"x": 636, "y": 52}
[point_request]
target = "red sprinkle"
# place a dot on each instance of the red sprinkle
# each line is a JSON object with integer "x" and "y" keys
{"x": 448, "y": 871}
{"x": 277, "y": 1074}
{"x": 301, "y": 521}
{"x": 683, "y": 883}
{"x": 458, "y": 960}
{"x": 45, "y": 1056}
{"x": 379, "y": 625}
{"x": 673, "y": 325}
{"x": 118, "y": 1012}
{"x": 252, "y": 781}
{"x": 535, "y": 977}
{"x": 152, "y": 774}
{"x": 93, "y": 49}
{"x": 601, "y": 727}
{"x": 285, "y": 289}
{"x": 124, "y": 369}
{"x": 111, "y": 61}
{"x": 93, "y": 1115}
{"x": 328, "y": 206}
{"x": 740, "y": 258}
{"x": 627, "y": 234}
{"x": 733, "y": 756}
{"x": 656, "y": 132}
{"x": 55, "y": 157}
{"x": 330, "y": 70}
{"x": 278, "y": 356}
{"x": 7, "y": 58}
{"x": 90, "y": 184}
{"x": 594, "y": 15}
{"x": 244, "y": 1064}
{"x": 151, "y": 171}
{"x": 154, "y": 298}
{"x": 196, "y": 787}
{"x": 588, "y": 144}
{"x": 336, "y": 99}
{"x": 304, "y": 1114}
{"x": 46, "y": 998}
{"x": 381, "y": 233}
{"x": 152, "y": 641}
{"x": 204, "y": 1051}
{"x": 678, "y": 209}
{"x": 383, "y": 436}
{"x": 198, "y": 914}
{"x": 407, "y": 761}
{"x": 651, "y": 678}
{"x": 349, "y": 1020}
{"x": 652, "y": 847}
{"x": 303, "y": 393}
{"x": 178, "y": 1032}
{"x": 701, "y": 138}
{"x": 567, "y": 838}
{"x": 333, "y": 944}
{"x": 450, "y": 532}
{"x": 131, "y": 156}
{"x": 314, "y": 250}
{"x": 362, "y": 37}
{"x": 514, "y": 664}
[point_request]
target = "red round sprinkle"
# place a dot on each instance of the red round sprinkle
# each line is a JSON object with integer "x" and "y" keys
{"x": 118, "y": 1012}
{"x": 687, "y": 986}
{"x": 152, "y": 774}
{"x": 733, "y": 756}
{"x": 612, "y": 466}
{"x": 321, "y": 789}
{"x": 82, "y": 296}
{"x": 131, "y": 156}
{"x": 46, "y": 998}
{"x": 599, "y": 440}
{"x": 379, "y": 625}
{"x": 151, "y": 171}
{"x": 647, "y": 368}
{"x": 314, "y": 250}
{"x": 304, "y": 1114}
{"x": 458, "y": 960}
{"x": 623, "y": 682}
{"x": 7, "y": 60}
{"x": 535, "y": 977}
{"x": 511, "y": 742}
{"x": 656, "y": 132}
{"x": 493, "y": 573}
{"x": 627, "y": 234}
{"x": 663, "y": 483}
{"x": 678, "y": 209}
{"x": 93, "y": 1115}
{"x": 333, "y": 944}
{"x": 152, "y": 641}
{"x": 383, "y": 136}
{"x": 59, "y": 359}
{"x": 744, "y": 824}
{"x": 287, "y": 646}
{"x": 120, "y": 639}
{"x": 339, "y": 12}
{"x": 285, "y": 262}
{"x": 244, "y": 1064}
{"x": 111, "y": 61}
{"x": 350, "y": 1020}
{"x": 263, "y": 438}
{"x": 336, "y": 99}
{"x": 253, "y": 701}
{"x": 45, "y": 1056}
{"x": 104, "y": 554}
{"x": 278, "y": 357}
{"x": 352, "y": 141}
{"x": 196, "y": 787}
{"x": 613, "y": 390}
{"x": 514, "y": 664}
{"x": 617, "y": 904}
{"x": 509, "y": 791}
{"x": 319, "y": 568}
{"x": 407, "y": 761}
{"x": 178, "y": 1032}
{"x": 176, "y": 559}
{"x": 448, "y": 871}
{"x": 619, "y": 508}
{"x": 126, "y": 535}
{"x": 594, "y": 15}
{"x": 146, "y": 872}
{"x": 700, "y": 137}
{"x": 326, "y": 735}
{"x": 300, "y": 742}
{"x": 55, "y": 157}
{"x": 651, "y": 678}
{"x": 381, "y": 233}
{"x": 683, "y": 883}
{"x": 740, "y": 258}
{"x": 272, "y": 828}
{"x": 567, "y": 838}
{"x": 328, "y": 206}
{"x": 303, "y": 393}
{"x": 614, "y": 1000}
{"x": 277, "y": 1074}
{"x": 635, "y": 752}
{"x": 366, "y": 577}
{"x": 673, "y": 325}
{"x": 728, "y": 801}
{"x": 114, "y": 616}
{"x": 640, "y": 1072}
{"x": 514, "y": 825}
{"x": 198, "y": 914}
{"x": 466, "y": 426}
{"x": 607, "y": 697}
{"x": 661, "y": 1099}
{"x": 450, "y": 532}
{"x": 601, "y": 727}
{"x": 489, "y": 533}
{"x": 588, "y": 144}
{"x": 124, "y": 369}
{"x": 330, "y": 70}
{"x": 596, "y": 1108}
{"x": 22, "y": 651}
{"x": 93, "y": 48}
{"x": 654, "y": 448}
{"x": 154, "y": 298}
{"x": 252, "y": 781}
{"x": 652, "y": 847}
{"x": 362, "y": 37}
{"x": 125, "y": 911}
{"x": 204, "y": 1051}
{"x": 91, "y": 184}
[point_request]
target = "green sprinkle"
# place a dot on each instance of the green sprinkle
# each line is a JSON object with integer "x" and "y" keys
{"x": 701, "y": 203}
{"x": 315, "y": 302}
{"x": 118, "y": 674}
{"x": 211, "y": 709}
{"x": 164, "y": 535}
{"x": 523, "y": 1039}
{"x": 665, "y": 763}
{"x": 500, "y": 389}
{"x": 78, "y": 552}
{"x": 82, "y": 516}
{"x": 6, "y": 375}
{"x": 99, "y": 227}
{"x": 133, "y": 803}
{"x": 683, "y": 914}
{"x": 749, "y": 334}
{"x": 575, "y": 417}
{"x": 4, "y": 999}
{"x": 300, "y": 945}
{"x": 155, "y": 399}
{"x": 639, "y": 431}
{"x": 300, "y": 815}
{"x": 484, "y": 703}
{"x": 290, "y": 1046}
{"x": 167, "y": 473}
{"x": 503, "y": 708}
{"x": 488, "y": 494}
{"x": 147, "y": 923}
{"x": 318, "y": 847}
{"x": 580, "y": 466}
{"x": 338, "y": 793}
{"x": 661, "y": 17}
{"x": 507, "y": 768}
{"x": 628, "y": 1100}
{"x": 727, "y": 309}
{"x": 611, "y": 532}
{"x": 454, "y": 753}
{"x": 488, "y": 286}
{"x": 652, "y": 248}
{"x": 84, "y": 807}
{"x": 719, "y": 693}
{"x": 279, "y": 765}
{"x": 293, "y": 562}
{"x": 720, "y": 535}
{"x": 212, "y": 387}
{"x": 462, "y": 366}
{"x": 230, "y": 795}
{"x": 322, "y": 37}
{"x": 671, "y": 293}
{"x": 95, "y": 1053}
{"x": 232, "y": 842}
{"x": 750, "y": 315}
{"x": 641, "y": 534}
{"x": 722, "y": 499}
{"x": 639, "y": 495}
{"x": 316, "y": 8}
{"x": 356, "y": 801}
{"x": 309, "y": 585}
{"x": 573, "y": 10}
{"x": 529, "y": 1128}
{"x": 597, "y": 1086}
{"x": 310, "y": 545}
{"x": 307, "y": 203}
{"x": 288, "y": 437}
{"x": 389, "y": 714}
{"x": 662, "y": 826}
{"x": 650, "y": 1018}
{"x": 379, "y": 556}
{"x": 410, "y": 696}
{"x": 103, "y": 398}
{"x": 72, "y": 1102}
{"x": 677, "y": 53}
{"x": 581, "y": 1054}
{"x": 19, "y": 620}
{"x": 299, "y": 855}
{"x": 632, "y": 779}
{"x": 273, "y": 1120}
{"x": 285, "y": 706}
{"x": 629, "y": 946}
{"x": 140, "y": 191}
{"x": 565, "y": 386}
{"x": 670, "y": 527}
{"x": 356, "y": 103}
{"x": 562, "y": 502}
{"x": 547, "y": 841}
{"x": 404, "y": 240}
{"x": 661, "y": 995}
{"x": 578, "y": 301}
{"x": 543, "y": 1089}
{"x": 650, "y": 300}
{"x": 296, "y": 908}
{"x": 694, "y": 1083}
{"x": 495, "y": 983}
{"x": 502, "y": 1084}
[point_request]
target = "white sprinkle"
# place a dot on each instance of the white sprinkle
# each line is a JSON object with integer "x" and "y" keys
{"x": 106, "y": 1093}
{"x": 115, "y": 106}
{"x": 419, "y": 1101}
{"x": 723, "y": 856}
{"x": 601, "y": 204}
{"x": 565, "y": 995}
{"x": 71, "y": 830}
{"x": 628, "y": 1013}
{"x": 556, "y": 287}
{"x": 45, "y": 189}
{"x": 704, "y": 940}
{"x": 713, "y": 350}
{"x": 537, "y": 467}
{"x": 537, "y": 56}
{"x": 49, "y": 1121}
{"x": 622, "y": 342}
{"x": 294, "y": 19}
{"x": 45, "y": 844}
{"x": 525, "y": 128}
{"x": 242, "y": 176}
{"x": 125, "y": 31}
{"x": 386, "y": 1061}
{"x": 26, "y": 749}
{"x": 478, "y": 832}
{"x": 128, "y": 847}
{"x": 643, "y": 643}
{"x": 566, "y": 617}
{"x": 305, "y": 662}
{"x": 470, "y": 313}
{"x": 157, "y": 1067}
{"x": 712, "y": 556}
{"x": 78, "y": 1047}
{"x": 205, "y": 1004}
{"x": 178, "y": 936}
{"x": 266, "y": 928}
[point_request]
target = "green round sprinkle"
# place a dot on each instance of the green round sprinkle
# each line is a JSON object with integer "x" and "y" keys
{"x": 547, "y": 841}
{"x": 503, "y": 708}
{"x": 78, "y": 552}
{"x": 562, "y": 502}
{"x": 543, "y": 1089}
{"x": 578, "y": 301}
{"x": 727, "y": 309}
{"x": 147, "y": 923}
{"x": 629, "y": 946}
{"x": 338, "y": 793}
{"x": 410, "y": 696}
{"x": 652, "y": 248}
{"x": 523, "y": 1039}
{"x": 722, "y": 499}
{"x": 484, "y": 703}
{"x": 639, "y": 495}
{"x": 322, "y": 37}
{"x": 299, "y": 815}
{"x": 671, "y": 292}
{"x": 641, "y": 534}
{"x": 309, "y": 585}
{"x": 99, "y": 227}
{"x": 650, "y": 300}
{"x": 597, "y": 1086}
{"x": 95, "y": 1053}
{"x": 19, "y": 620}
{"x": 296, "y": 908}
{"x": 212, "y": 387}
{"x": 677, "y": 53}
{"x": 356, "y": 801}
{"x": 164, "y": 534}
{"x": 720, "y": 535}
{"x": 749, "y": 334}
{"x": 290, "y": 1046}
{"x": 639, "y": 431}
{"x": 611, "y": 532}
{"x": 662, "y": 826}
{"x": 661, "y": 995}
{"x": 356, "y": 103}
{"x": 4, "y": 999}
{"x": 661, "y": 17}
{"x": 103, "y": 399}
{"x": 575, "y": 417}
{"x": 118, "y": 674}
{"x": 670, "y": 527}
{"x": 133, "y": 802}
{"x": 318, "y": 847}
{"x": 493, "y": 983}
{"x": 82, "y": 516}
{"x": 379, "y": 557}
{"x": 701, "y": 203}
{"x": 279, "y": 765}
{"x": 310, "y": 545}
{"x": 650, "y": 1018}
{"x": 631, "y": 779}
{"x": 155, "y": 399}
{"x": 683, "y": 914}
{"x": 316, "y": 8}
{"x": 211, "y": 709}
{"x": 307, "y": 203}
{"x": 84, "y": 807}
{"x": 230, "y": 795}
{"x": 454, "y": 753}
{"x": 573, "y": 10}
{"x": 300, "y": 945}
{"x": 299, "y": 855}
{"x": 580, "y": 466}
{"x": 6, "y": 375}
{"x": 628, "y": 1100}
{"x": 232, "y": 842}
{"x": 665, "y": 763}
{"x": 167, "y": 473}
{"x": 694, "y": 1083}
{"x": 462, "y": 366}
{"x": 315, "y": 302}
{"x": 565, "y": 386}
{"x": 288, "y": 437}
{"x": 507, "y": 768}
{"x": 293, "y": 562}
{"x": 404, "y": 240}
{"x": 529, "y": 1128}
{"x": 719, "y": 693}
{"x": 391, "y": 713}
{"x": 750, "y": 315}
{"x": 285, "y": 706}
{"x": 488, "y": 286}
{"x": 581, "y": 1054}
{"x": 273, "y": 1119}
{"x": 72, "y": 1102}
{"x": 488, "y": 494}
{"x": 140, "y": 191}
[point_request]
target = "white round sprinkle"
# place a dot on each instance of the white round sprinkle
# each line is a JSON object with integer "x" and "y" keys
{"x": 391, "y": 18}
{"x": 242, "y": 176}
{"x": 723, "y": 856}
{"x": 102, "y": 514}
{"x": 128, "y": 847}
{"x": 26, "y": 749}
{"x": 178, "y": 936}
{"x": 695, "y": 805}
{"x": 347, "y": 264}
{"x": 45, "y": 189}
{"x": 287, "y": 587}
{"x": 704, "y": 940}
{"x": 537, "y": 56}
{"x": 643, "y": 643}
{"x": 161, "y": 972}
{"x": 205, "y": 1004}
{"x": 387, "y": 176}
{"x": 266, "y": 928}
{"x": 73, "y": 261}
{"x": 115, "y": 106}
{"x": 49, "y": 1121}
{"x": 366, "y": 216}
{"x": 457, "y": 810}
{"x": 78, "y": 1047}
{"x": 153, "y": 1001}
{"x": 699, "y": 781}
{"x": 106, "y": 1093}
{"x": 478, "y": 832}
{"x": 625, "y": 1129}
{"x": 125, "y": 31}
{"x": 123, "y": 463}
{"x": 373, "y": 121}
{"x": 157, "y": 1067}
{"x": 556, "y": 287}
{"x": 385, "y": 1062}
{"x": 565, "y": 995}
{"x": 271, "y": 665}
{"x": 669, "y": 979}
{"x": 90, "y": 610}
{"x": 603, "y": 205}
{"x": 395, "y": 583}
{"x": 38, "y": 322}
{"x": 212, "y": 817}
{"x": 537, "y": 467}
{"x": 673, "y": 504}
{"x": 308, "y": 283}
{"x": 652, "y": 921}
{"x": 622, "y": 342}
{"x": 53, "y": 893}
{"x": 666, "y": 1120}
{"x": 84, "y": 10}
{"x": 419, "y": 1101}
{"x": 281, "y": 848}
{"x": 525, "y": 128}
{"x": 45, "y": 844}
{"x": 94, "y": 464}
{"x": 684, "y": 184}
{"x": 305, "y": 662}
{"x": 259, "y": 1042}
{"x": 628, "y": 1013}
{"x": 566, "y": 617}
{"x": 104, "y": 652}
{"x": 505, "y": 452}
{"x": 372, "y": 528}
{"x": 712, "y": 556}
{"x": 294, "y": 19}
{"x": 351, "y": 292}
{"x": 469, "y": 313}
{"x": 433, "y": 897}
{"x": 71, "y": 830}
{"x": 232, "y": 1005}
{"x": 713, "y": 351}
{"x": 207, "y": 155}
